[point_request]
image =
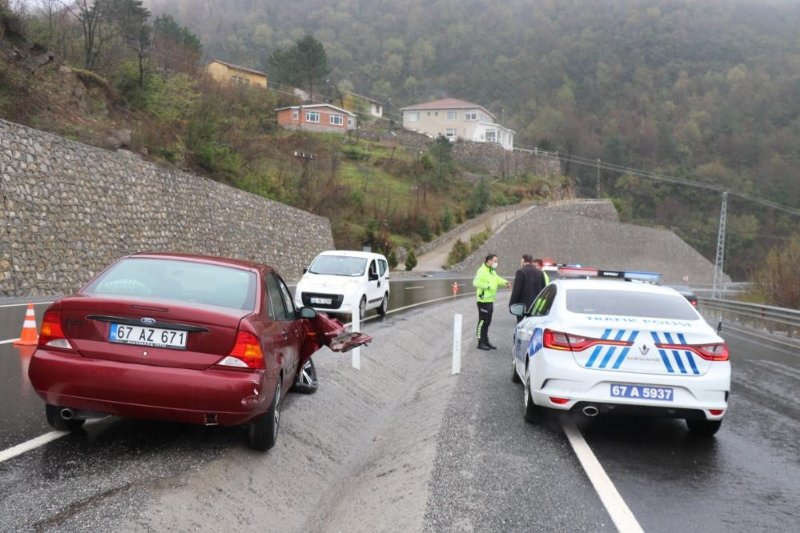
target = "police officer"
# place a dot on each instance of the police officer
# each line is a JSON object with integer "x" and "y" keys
{"x": 486, "y": 281}
{"x": 528, "y": 282}
{"x": 538, "y": 263}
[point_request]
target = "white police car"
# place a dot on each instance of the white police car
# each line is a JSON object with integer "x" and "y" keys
{"x": 613, "y": 346}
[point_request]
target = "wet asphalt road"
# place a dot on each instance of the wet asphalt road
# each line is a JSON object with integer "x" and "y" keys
{"x": 514, "y": 477}
{"x": 507, "y": 475}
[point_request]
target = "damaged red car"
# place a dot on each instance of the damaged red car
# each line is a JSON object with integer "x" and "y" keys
{"x": 186, "y": 338}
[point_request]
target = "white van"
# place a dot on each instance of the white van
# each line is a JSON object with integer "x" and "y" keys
{"x": 343, "y": 281}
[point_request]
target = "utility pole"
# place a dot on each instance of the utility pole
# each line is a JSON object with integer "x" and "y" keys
{"x": 597, "y": 182}
{"x": 716, "y": 287}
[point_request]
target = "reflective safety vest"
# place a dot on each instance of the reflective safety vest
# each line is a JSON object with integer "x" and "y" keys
{"x": 486, "y": 281}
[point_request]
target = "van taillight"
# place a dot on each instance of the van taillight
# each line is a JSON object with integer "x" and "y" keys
{"x": 246, "y": 352}
{"x": 52, "y": 335}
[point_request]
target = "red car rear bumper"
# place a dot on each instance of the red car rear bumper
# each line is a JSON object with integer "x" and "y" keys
{"x": 152, "y": 392}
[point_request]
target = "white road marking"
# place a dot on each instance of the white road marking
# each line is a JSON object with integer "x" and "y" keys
{"x": 25, "y": 305}
{"x": 27, "y": 446}
{"x": 417, "y": 287}
{"x": 9, "y": 341}
{"x": 620, "y": 513}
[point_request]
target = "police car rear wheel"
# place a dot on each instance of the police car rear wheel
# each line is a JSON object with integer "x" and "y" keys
{"x": 703, "y": 428}
{"x": 514, "y": 375}
{"x": 533, "y": 413}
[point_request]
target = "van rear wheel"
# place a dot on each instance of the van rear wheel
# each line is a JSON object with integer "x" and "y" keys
{"x": 384, "y": 305}
{"x": 362, "y": 307}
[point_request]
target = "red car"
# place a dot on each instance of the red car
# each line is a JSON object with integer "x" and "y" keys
{"x": 187, "y": 338}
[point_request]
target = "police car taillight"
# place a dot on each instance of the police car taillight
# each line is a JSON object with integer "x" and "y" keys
{"x": 710, "y": 352}
{"x": 558, "y": 340}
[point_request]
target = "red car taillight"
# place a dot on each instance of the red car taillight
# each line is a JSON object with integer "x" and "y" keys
{"x": 52, "y": 335}
{"x": 246, "y": 352}
{"x": 558, "y": 340}
{"x": 709, "y": 352}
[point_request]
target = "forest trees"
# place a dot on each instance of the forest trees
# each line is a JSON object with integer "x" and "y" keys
{"x": 304, "y": 65}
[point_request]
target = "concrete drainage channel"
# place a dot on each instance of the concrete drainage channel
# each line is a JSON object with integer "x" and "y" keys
{"x": 355, "y": 456}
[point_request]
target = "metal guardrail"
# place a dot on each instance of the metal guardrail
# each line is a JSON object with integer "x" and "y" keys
{"x": 776, "y": 320}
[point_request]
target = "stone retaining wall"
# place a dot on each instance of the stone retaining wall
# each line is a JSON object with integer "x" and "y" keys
{"x": 485, "y": 158}
{"x": 68, "y": 210}
{"x": 588, "y": 232}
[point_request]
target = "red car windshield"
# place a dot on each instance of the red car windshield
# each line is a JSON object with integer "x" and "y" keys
{"x": 184, "y": 281}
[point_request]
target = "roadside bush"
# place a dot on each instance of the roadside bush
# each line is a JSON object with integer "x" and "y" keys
{"x": 778, "y": 281}
{"x": 411, "y": 260}
{"x": 459, "y": 252}
{"x": 392, "y": 259}
{"x": 476, "y": 240}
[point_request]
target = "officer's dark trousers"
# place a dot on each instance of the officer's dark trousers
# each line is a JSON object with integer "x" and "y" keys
{"x": 485, "y": 310}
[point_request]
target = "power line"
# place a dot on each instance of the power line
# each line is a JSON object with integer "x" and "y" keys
{"x": 589, "y": 162}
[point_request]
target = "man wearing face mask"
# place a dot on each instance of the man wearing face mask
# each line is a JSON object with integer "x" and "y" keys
{"x": 486, "y": 281}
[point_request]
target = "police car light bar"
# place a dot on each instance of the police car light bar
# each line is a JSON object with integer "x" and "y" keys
{"x": 630, "y": 275}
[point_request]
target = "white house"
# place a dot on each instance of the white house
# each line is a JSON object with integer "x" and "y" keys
{"x": 457, "y": 119}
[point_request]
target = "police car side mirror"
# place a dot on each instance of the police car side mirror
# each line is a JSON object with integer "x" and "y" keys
{"x": 517, "y": 309}
{"x": 719, "y": 326}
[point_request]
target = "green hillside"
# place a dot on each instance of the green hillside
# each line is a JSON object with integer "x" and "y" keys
{"x": 697, "y": 89}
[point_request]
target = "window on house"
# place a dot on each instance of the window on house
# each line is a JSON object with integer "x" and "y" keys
{"x": 413, "y": 116}
{"x": 295, "y": 114}
{"x": 337, "y": 120}
{"x": 491, "y": 136}
{"x": 312, "y": 116}
{"x": 452, "y": 115}
{"x": 471, "y": 115}
{"x": 350, "y": 122}
{"x": 450, "y": 133}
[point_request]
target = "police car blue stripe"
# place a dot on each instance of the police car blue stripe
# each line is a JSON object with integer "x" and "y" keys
{"x": 624, "y": 354}
{"x": 595, "y": 353}
{"x": 678, "y": 361}
{"x": 597, "y": 349}
{"x": 655, "y": 337}
{"x": 690, "y": 357}
{"x": 665, "y": 359}
{"x": 668, "y": 337}
{"x": 620, "y": 334}
{"x": 621, "y": 357}
{"x": 688, "y": 354}
{"x": 607, "y": 358}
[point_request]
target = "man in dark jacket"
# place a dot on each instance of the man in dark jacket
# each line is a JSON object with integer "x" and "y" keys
{"x": 528, "y": 282}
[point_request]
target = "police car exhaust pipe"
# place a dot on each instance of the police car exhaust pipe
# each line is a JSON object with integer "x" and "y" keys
{"x": 590, "y": 410}
{"x": 67, "y": 414}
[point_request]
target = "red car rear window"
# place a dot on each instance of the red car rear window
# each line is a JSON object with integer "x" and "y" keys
{"x": 179, "y": 280}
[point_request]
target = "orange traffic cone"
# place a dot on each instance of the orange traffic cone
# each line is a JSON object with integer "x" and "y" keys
{"x": 455, "y": 288}
{"x": 28, "y": 336}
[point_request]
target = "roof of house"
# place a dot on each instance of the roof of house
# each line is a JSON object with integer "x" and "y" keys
{"x": 239, "y": 67}
{"x": 312, "y": 106}
{"x": 446, "y": 103}
{"x": 367, "y": 98}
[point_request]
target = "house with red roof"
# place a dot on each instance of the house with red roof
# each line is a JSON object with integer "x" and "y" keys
{"x": 316, "y": 117}
{"x": 457, "y": 119}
